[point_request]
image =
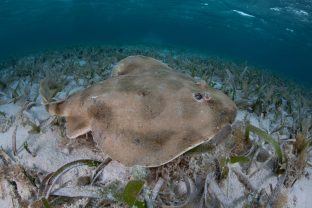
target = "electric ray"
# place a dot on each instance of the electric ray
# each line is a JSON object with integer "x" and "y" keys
{"x": 146, "y": 113}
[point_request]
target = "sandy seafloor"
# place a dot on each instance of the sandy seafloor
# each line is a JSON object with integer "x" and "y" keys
{"x": 281, "y": 108}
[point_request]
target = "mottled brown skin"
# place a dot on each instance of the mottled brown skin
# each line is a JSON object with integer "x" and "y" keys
{"x": 146, "y": 114}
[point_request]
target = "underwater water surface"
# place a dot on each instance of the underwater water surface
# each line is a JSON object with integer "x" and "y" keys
{"x": 274, "y": 35}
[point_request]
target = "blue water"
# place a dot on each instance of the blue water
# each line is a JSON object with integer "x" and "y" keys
{"x": 271, "y": 34}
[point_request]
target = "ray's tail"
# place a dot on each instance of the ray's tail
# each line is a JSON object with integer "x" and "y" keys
{"x": 48, "y": 90}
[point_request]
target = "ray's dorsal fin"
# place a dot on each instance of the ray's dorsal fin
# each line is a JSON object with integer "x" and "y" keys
{"x": 77, "y": 123}
{"x": 76, "y": 126}
{"x": 137, "y": 65}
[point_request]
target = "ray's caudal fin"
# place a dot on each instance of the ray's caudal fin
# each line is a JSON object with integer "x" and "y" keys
{"x": 55, "y": 108}
{"x": 48, "y": 89}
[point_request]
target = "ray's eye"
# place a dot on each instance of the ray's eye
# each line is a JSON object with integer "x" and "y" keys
{"x": 198, "y": 96}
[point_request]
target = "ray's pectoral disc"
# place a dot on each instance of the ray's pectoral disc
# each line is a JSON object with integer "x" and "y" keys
{"x": 146, "y": 113}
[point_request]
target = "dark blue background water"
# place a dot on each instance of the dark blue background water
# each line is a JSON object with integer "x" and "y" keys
{"x": 272, "y": 34}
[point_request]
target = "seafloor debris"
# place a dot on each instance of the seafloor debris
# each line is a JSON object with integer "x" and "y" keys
{"x": 263, "y": 162}
{"x": 5, "y": 122}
